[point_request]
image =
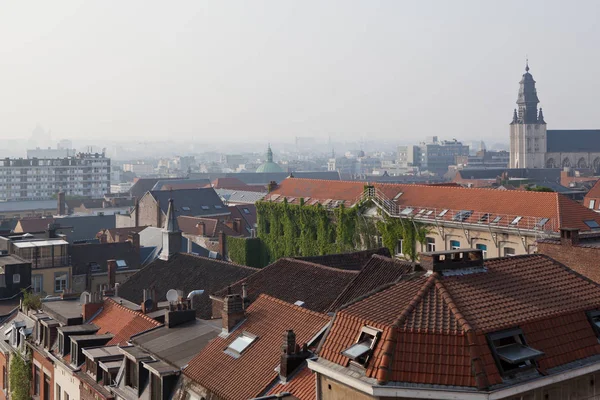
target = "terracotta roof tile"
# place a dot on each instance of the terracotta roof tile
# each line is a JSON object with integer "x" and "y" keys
{"x": 377, "y": 272}
{"x": 212, "y": 226}
{"x": 291, "y": 280}
{"x": 122, "y": 322}
{"x": 593, "y": 194}
{"x": 562, "y": 211}
{"x": 303, "y": 385}
{"x": 251, "y": 374}
{"x": 438, "y": 324}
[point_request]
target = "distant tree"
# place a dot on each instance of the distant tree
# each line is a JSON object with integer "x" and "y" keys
{"x": 539, "y": 189}
{"x": 31, "y": 301}
{"x": 20, "y": 378}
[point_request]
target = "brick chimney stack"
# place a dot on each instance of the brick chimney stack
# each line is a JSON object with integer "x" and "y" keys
{"x": 569, "y": 236}
{"x": 134, "y": 238}
{"x": 245, "y": 298}
{"x": 201, "y": 228}
{"x": 233, "y": 312}
{"x": 112, "y": 273}
{"x": 91, "y": 305}
{"x": 223, "y": 245}
{"x": 292, "y": 355}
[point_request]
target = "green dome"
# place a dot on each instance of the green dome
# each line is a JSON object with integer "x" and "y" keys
{"x": 269, "y": 166}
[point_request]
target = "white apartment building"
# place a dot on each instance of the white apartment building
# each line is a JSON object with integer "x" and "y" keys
{"x": 86, "y": 174}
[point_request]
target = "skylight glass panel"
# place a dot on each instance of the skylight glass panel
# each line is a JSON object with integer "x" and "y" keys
{"x": 516, "y": 220}
{"x": 121, "y": 264}
{"x": 462, "y": 215}
{"x": 246, "y": 211}
{"x": 442, "y": 213}
{"x": 240, "y": 344}
{"x": 185, "y": 208}
{"x": 516, "y": 353}
{"x": 496, "y": 220}
{"x": 357, "y": 350}
{"x": 291, "y": 199}
{"x": 429, "y": 212}
{"x": 407, "y": 211}
{"x": 592, "y": 224}
{"x": 484, "y": 218}
{"x": 218, "y": 207}
{"x": 542, "y": 222}
{"x": 205, "y": 207}
{"x": 396, "y": 197}
{"x": 422, "y": 211}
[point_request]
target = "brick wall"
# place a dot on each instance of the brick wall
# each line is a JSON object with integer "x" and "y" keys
{"x": 580, "y": 259}
{"x": 46, "y": 369}
{"x": 148, "y": 211}
{"x": 4, "y": 360}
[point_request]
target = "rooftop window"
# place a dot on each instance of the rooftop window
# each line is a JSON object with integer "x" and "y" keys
{"x": 542, "y": 222}
{"x": 516, "y": 220}
{"x": 121, "y": 264}
{"x": 396, "y": 197}
{"x": 462, "y": 215}
{"x": 205, "y": 207}
{"x": 511, "y": 352}
{"x": 240, "y": 344}
{"x": 592, "y": 224}
{"x": 246, "y": 211}
{"x": 594, "y": 318}
{"x": 218, "y": 207}
{"x": 185, "y": 208}
{"x": 442, "y": 213}
{"x": 496, "y": 220}
{"x": 361, "y": 350}
{"x": 485, "y": 217}
{"x": 406, "y": 211}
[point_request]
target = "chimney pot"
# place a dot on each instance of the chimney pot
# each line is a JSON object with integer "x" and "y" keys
{"x": 569, "y": 236}
{"x": 112, "y": 273}
{"x": 223, "y": 245}
{"x": 233, "y": 312}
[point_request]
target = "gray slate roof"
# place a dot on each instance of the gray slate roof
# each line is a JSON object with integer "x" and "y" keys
{"x": 240, "y": 196}
{"x": 191, "y": 202}
{"x": 263, "y": 178}
{"x": 572, "y": 141}
{"x": 15, "y": 206}
{"x": 84, "y": 228}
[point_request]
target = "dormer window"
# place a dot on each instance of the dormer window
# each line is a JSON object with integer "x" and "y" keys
{"x": 131, "y": 373}
{"x": 121, "y": 264}
{"x": 594, "y": 318}
{"x": 511, "y": 352}
{"x": 361, "y": 350}
{"x": 240, "y": 344}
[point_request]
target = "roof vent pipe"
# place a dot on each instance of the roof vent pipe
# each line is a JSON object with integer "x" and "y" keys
{"x": 192, "y": 296}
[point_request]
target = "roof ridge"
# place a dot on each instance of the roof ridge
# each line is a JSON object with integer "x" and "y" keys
{"x": 218, "y": 261}
{"x": 347, "y": 271}
{"x": 292, "y": 306}
{"x": 447, "y": 297}
{"x": 137, "y": 313}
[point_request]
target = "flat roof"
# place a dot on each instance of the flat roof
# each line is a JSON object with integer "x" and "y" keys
{"x": 39, "y": 243}
{"x": 161, "y": 368}
{"x": 102, "y": 352}
{"x": 83, "y": 338}
{"x": 79, "y": 328}
{"x": 63, "y": 308}
{"x": 110, "y": 365}
{"x": 12, "y": 259}
{"x": 135, "y": 352}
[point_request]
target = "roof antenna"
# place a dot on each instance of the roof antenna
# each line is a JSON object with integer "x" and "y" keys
{"x": 526, "y": 63}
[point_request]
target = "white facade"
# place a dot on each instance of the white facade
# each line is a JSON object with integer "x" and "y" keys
{"x": 40, "y": 179}
{"x": 527, "y": 145}
{"x": 66, "y": 381}
{"x": 139, "y": 169}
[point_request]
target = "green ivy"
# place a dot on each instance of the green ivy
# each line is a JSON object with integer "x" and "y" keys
{"x": 410, "y": 231}
{"x": 246, "y": 251}
{"x": 19, "y": 378}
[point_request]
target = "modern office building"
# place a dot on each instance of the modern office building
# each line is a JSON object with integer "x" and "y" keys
{"x": 86, "y": 174}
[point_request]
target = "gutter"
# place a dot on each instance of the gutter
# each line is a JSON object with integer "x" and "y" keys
{"x": 449, "y": 394}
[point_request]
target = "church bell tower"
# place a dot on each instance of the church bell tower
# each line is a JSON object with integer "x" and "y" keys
{"x": 528, "y": 128}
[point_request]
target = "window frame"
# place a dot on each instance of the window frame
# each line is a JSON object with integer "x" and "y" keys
{"x": 374, "y": 334}
{"x": 16, "y": 278}
{"x": 66, "y": 285}
{"x": 430, "y": 242}
{"x": 400, "y": 246}
{"x": 483, "y": 249}
{"x": 592, "y": 204}
{"x": 454, "y": 244}
{"x": 238, "y": 353}
{"x": 519, "y": 337}
{"x": 514, "y": 251}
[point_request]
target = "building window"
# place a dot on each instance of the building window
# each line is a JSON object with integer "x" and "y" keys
{"x": 155, "y": 387}
{"x": 4, "y": 378}
{"x": 509, "y": 252}
{"x": 240, "y": 344}
{"x": 37, "y": 283}
{"x": 36, "y": 380}
{"x": 511, "y": 352}
{"x": 58, "y": 392}
{"x": 483, "y": 249}
{"x": 592, "y": 204}
{"x": 16, "y": 278}
{"x": 454, "y": 245}
{"x": 60, "y": 281}
{"x": 399, "y": 249}
{"x": 132, "y": 374}
{"x": 121, "y": 264}
{"x": 362, "y": 349}
{"x": 430, "y": 244}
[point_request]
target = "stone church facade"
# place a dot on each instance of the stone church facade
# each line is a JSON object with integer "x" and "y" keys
{"x": 533, "y": 146}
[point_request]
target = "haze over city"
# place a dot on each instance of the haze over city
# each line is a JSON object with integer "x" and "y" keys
{"x": 272, "y": 70}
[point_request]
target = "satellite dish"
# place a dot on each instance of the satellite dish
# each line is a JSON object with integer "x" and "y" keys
{"x": 172, "y": 295}
{"x": 148, "y": 304}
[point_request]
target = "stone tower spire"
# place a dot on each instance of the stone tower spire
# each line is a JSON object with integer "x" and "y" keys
{"x": 269, "y": 154}
{"x": 527, "y": 100}
{"x": 171, "y": 235}
{"x": 541, "y": 117}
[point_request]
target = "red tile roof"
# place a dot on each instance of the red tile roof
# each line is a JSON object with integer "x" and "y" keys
{"x": 355, "y": 260}
{"x": 292, "y": 280}
{"x": 377, "y": 272}
{"x": 303, "y": 386}
{"x": 593, "y": 194}
{"x": 122, "y": 322}
{"x": 212, "y": 226}
{"x": 251, "y": 374}
{"x": 236, "y": 184}
{"x": 435, "y": 326}
{"x": 562, "y": 211}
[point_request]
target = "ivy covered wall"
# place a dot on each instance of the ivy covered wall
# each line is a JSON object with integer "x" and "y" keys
{"x": 247, "y": 251}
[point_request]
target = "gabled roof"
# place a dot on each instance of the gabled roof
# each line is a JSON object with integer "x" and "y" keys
{"x": 531, "y": 206}
{"x": 185, "y": 272}
{"x": 232, "y": 196}
{"x": 450, "y": 316}
{"x": 176, "y": 184}
{"x": 303, "y": 385}
{"x": 247, "y": 213}
{"x": 573, "y": 141}
{"x": 191, "y": 202}
{"x": 82, "y": 255}
{"x": 377, "y": 272}
{"x": 236, "y": 184}
{"x": 251, "y": 374}
{"x": 212, "y": 226}
{"x": 122, "y": 322}
{"x": 294, "y": 280}
{"x": 143, "y": 185}
{"x": 593, "y": 194}
{"x": 76, "y": 229}
{"x": 33, "y": 224}
{"x": 355, "y": 260}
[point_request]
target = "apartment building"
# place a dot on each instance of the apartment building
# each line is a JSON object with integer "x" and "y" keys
{"x": 86, "y": 174}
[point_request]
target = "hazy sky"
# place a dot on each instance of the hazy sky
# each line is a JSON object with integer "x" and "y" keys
{"x": 271, "y": 70}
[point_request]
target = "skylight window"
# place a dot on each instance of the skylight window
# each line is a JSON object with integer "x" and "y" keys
{"x": 396, "y": 197}
{"x": 592, "y": 224}
{"x": 462, "y": 215}
{"x": 407, "y": 211}
{"x": 218, "y": 207}
{"x": 516, "y": 220}
{"x": 185, "y": 208}
{"x": 246, "y": 211}
{"x": 428, "y": 213}
{"x": 542, "y": 222}
{"x": 422, "y": 211}
{"x": 94, "y": 267}
{"x": 496, "y": 220}
{"x": 362, "y": 349}
{"x": 121, "y": 264}
{"x": 291, "y": 199}
{"x": 442, "y": 213}
{"x": 240, "y": 344}
{"x": 484, "y": 218}
{"x": 205, "y": 208}
{"x": 511, "y": 352}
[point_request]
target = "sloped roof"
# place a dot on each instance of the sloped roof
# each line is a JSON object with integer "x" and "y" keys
{"x": 33, "y": 224}
{"x": 292, "y": 280}
{"x": 532, "y": 206}
{"x": 303, "y": 385}
{"x": 76, "y": 229}
{"x": 143, "y": 185}
{"x": 191, "y": 202}
{"x": 573, "y": 141}
{"x": 241, "y": 196}
{"x": 537, "y": 174}
{"x": 249, "y": 375}
{"x": 234, "y": 184}
{"x": 82, "y": 255}
{"x": 122, "y": 232}
{"x": 435, "y": 326}
{"x": 377, "y": 272}
{"x": 122, "y": 322}
{"x": 247, "y": 213}
{"x": 263, "y": 179}
{"x": 185, "y": 272}
{"x": 176, "y": 184}
{"x": 354, "y": 261}
{"x": 212, "y": 226}
{"x": 593, "y": 194}
{"x": 27, "y": 205}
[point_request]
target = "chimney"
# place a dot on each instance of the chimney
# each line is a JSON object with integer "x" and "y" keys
{"x": 245, "y": 298}
{"x": 136, "y": 212}
{"x": 569, "y": 236}
{"x": 439, "y": 261}
{"x": 201, "y": 228}
{"x": 179, "y": 313}
{"x": 223, "y": 245}
{"x": 292, "y": 355}
{"x": 51, "y": 231}
{"x": 117, "y": 237}
{"x": 112, "y": 273}
{"x": 237, "y": 225}
{"x": 271, "y": 186}
{"x": 91, "y": 305}
{"x": 103, "y": 237}
{"x": 134, "y": 238}
{"x": 60, "y": 209}
{"x": 233, "y": 312}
